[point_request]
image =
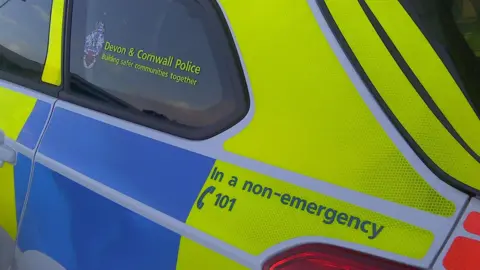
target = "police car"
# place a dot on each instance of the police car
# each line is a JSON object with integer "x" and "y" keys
{"x": 239, "y": 134}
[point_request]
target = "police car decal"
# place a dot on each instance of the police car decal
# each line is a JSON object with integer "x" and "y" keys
{"x": 93, "y": 45}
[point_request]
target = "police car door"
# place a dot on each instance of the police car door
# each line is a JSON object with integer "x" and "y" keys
{"x": 120, "y": 165}
{"x": 30, "y": 75}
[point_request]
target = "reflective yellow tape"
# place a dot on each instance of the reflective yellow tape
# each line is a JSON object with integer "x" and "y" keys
{"x": 8, "y": 217}
{"x": 429, "y": 68}
{"x": 192, "y": 255}
{"x": 15, "y": 108}
{"x": 309, "y": 118}
{"x": 52, "y": 72}
{"x": 400, "y": 96}
{"x": 254, "y": 212}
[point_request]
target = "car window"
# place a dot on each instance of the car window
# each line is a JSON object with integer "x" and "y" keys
{"x": 453, "y": 29}
{"x": 168, "y": 58}
{"x": 24, "y": 37}
{"x": 467, "y": 17}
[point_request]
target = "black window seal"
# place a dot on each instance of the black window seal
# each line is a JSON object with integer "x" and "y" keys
{"x": 41, "y": 87}
{"x": 159, "y": 123}
{"x": 390, "y": 115}
{"x": 67, "y": 33}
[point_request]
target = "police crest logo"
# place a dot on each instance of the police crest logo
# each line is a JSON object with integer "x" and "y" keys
{"x": 93, "y": 45}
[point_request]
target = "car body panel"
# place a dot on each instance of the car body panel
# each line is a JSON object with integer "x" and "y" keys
{"x": 24, "y": 117}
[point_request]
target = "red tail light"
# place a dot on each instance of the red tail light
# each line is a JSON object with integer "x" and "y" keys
{"x": 326, "y": 257}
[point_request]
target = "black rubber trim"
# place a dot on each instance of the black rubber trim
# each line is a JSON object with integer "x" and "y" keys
{"x": 413, "y": 79}
{"x": 43, "y": 88}
{"x": 192, "y": 133}
{"x": 368, "y": 83}
{"x": 67, "y": 32}
{"x": 461, "y": 77}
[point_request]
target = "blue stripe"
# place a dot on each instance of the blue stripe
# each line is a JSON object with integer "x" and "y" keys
{"x": 82, "y": 230}
{"x": 33, "y": 128}
{"x": 22, "y": 176}
{"x": 162, "y": 176}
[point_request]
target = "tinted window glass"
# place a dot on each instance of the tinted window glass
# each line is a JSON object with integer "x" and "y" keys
{"x": 24, "y": 37}
{"x": 169, "y": 58}
{"x": 453, "y": 29}
{"x": 467, "y": 17}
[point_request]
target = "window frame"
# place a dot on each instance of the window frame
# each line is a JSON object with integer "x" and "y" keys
{"x": 42, "y": 87}
{"x": 240, "y": 90}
